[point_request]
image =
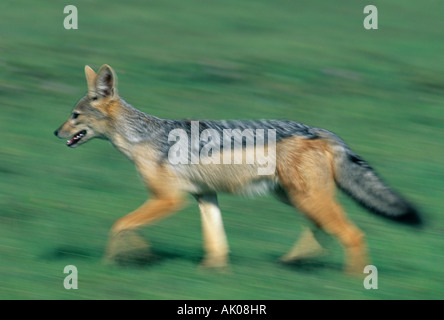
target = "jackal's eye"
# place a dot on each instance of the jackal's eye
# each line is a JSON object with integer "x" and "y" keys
{"x": 75, "y": 115}
{"x": 94, "y": 98}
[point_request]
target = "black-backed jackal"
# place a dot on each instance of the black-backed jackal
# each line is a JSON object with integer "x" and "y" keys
{"x": 301, "y": 165}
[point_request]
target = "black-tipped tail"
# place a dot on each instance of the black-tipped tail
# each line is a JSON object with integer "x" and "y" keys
{"x": 411, "y": 217}
{"x": 360, "y": 181}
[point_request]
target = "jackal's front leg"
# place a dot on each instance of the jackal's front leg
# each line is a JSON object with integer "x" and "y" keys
{"x": 215, "y": 240}
{"x": 124, "y": 242}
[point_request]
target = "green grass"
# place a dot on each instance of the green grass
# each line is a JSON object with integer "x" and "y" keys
{"x": 310, "y": 61}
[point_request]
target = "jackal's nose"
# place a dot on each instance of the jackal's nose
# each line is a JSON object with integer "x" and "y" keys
{"x": 56, "y": 133}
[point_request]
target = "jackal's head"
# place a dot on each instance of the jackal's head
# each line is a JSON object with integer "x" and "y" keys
{"x": 90, "y": 117}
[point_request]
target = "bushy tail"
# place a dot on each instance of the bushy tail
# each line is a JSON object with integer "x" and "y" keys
{"x": 356, "y": 178}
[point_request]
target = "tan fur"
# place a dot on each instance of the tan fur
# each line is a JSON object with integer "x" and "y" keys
{"x": 166, "y": 196}
{"x": 90, "y": 79}
{"x": 305, "y": 168}
{"x": 304, "y": 175}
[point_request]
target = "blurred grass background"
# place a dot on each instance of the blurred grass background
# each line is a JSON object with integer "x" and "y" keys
{"x": 310, "y": 61}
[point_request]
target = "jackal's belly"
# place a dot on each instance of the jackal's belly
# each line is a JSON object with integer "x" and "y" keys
{"x": 225, "y": 178}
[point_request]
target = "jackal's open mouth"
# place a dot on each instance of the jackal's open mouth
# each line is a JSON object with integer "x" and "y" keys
{"x": 77, "y": 137}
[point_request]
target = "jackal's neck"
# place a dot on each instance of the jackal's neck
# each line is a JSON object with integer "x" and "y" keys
{"x": 130, "y": 126}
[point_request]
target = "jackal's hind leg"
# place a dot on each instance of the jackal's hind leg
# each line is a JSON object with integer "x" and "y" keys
{"x": 306, "y": 175}
{"x": 305, "y": 247}
{"x": 329, "y": 216}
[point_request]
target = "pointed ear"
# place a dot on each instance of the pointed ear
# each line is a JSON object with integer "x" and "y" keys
{"x": 90, "y": 79}
{"x": 106, "y": 81}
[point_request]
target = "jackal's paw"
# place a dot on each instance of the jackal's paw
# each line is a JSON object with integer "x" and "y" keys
{"x": 302, "y": 255}
{"x": 218, "y": 264}
{"x": 305, "y": 248}
{"x": 128, "y": 248}
{"x": 356, "y": 268}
